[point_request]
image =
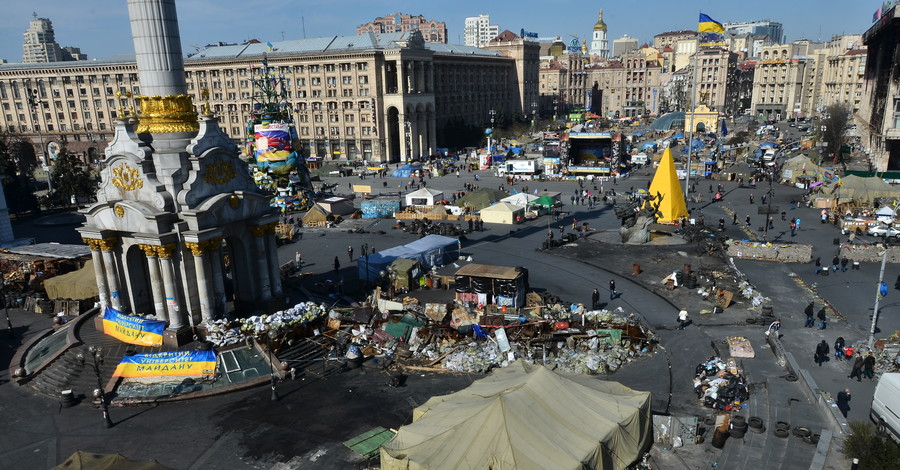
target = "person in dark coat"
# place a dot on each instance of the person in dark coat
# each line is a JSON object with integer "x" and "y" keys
{"x": 823, "y": 319}
{"x": 810, "y": 319}
{"x": 612, "y": 290}
{"x": 821, "y": 353}
{"x": 595, "y": 298}
{"x": 839, "y": 348}
{"x": 857, "y": 368}
{"x": 834, "y": 263}
{"x": 337, "y": 264}
{"x": 844, "y": 263}
{"x": 869, "y": 366}
{"x": 843, "y": 401}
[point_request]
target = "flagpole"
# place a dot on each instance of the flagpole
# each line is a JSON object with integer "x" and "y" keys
{"x": 687, "y": 180}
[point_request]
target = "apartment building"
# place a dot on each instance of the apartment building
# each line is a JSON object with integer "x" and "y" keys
{"x": 478, "y": 30}
{"x": 881, "y": 110}
{"x": 432, "y": 31}
{"x": 354, "y": 96}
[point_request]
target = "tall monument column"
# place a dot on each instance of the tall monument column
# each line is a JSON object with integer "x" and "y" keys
{"x": 157, "y": 46}
{"x": 262, "y": 271}
{"x": 156, "y": 282}
{"x": 99, "y": 272}
{"x": 168, "y": 275}
{"x": 112, "y": 276}
{"x": 204, "y": 287}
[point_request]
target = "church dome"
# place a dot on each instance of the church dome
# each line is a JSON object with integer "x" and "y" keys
{"x": 600, "y": 25}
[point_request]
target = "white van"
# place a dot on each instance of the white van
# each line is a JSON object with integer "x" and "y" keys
{"x": 639, "y": 159}
{"x": 885, "y": 411}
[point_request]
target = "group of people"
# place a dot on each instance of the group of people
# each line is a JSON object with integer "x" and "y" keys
{"x": 811, "y": 320}
{"x": 595, "y": 295}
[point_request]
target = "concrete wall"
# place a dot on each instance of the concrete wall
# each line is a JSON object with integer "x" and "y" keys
{"x": 871, "y": 253}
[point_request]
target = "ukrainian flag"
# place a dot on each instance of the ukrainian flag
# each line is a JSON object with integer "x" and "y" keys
{"x": 712, "y": 33}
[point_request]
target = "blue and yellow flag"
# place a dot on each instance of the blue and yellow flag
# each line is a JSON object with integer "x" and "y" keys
{"x": 132, "y": 330}
{"x": 163, "y": 364}
{"x": 712, "y": 33}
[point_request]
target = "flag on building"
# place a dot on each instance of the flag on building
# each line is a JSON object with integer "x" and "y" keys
{"x": 877, "y": 15}
{"x": 712, "y": 33}
{"x": 270, "y": 46}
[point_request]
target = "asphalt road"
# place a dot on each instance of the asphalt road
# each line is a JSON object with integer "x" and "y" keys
{"x": 245, "y": 430}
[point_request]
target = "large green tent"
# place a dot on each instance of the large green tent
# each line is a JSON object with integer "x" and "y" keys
{"x": 481, "y": 198}
{"x": 526, "y": 416}
{"x": 545, "y": 201}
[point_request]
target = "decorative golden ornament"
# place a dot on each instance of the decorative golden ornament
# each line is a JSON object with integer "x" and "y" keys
{"x": 165, "y": 114}
{"x": 260, "y": 230}
{"x": 165, "y": 251}
{"x": 219, "y": 172}
{"x": 234, "y": 201}
{"x": 127, "y": 178}
{"x": 196, "y": 248}
{"x": 92, "y": 243}
{"x": 149, "y": 250}
{"x": 107, "y": 244}
{"x": 119, "y": 211}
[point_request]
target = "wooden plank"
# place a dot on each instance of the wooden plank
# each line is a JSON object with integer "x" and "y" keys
{"x": 442, "y": 356}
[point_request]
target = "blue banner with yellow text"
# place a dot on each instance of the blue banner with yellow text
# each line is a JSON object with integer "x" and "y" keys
{"x": 132, "y": 330}
{"x": 162, "y": 364}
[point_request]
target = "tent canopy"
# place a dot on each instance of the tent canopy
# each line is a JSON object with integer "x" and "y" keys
{"x": 520, "y": 199}
{"x": 481, "y": 198}
{"x": 315, "y": 214}
{"x": 432, "y": 250}
{"x": 423, "y": 197}
{"x": 545, "y": 201}
{"x": 526, "y": 417}
{"x": 76, "y": 285}
{"x": 81, "y": 460}
{"x": 799, "y": 167}
{"x": 665, "y": 182}
{"x": 404, "y": 171}
{"x": 502, "y": 213}
{"x": 864, "y": 189}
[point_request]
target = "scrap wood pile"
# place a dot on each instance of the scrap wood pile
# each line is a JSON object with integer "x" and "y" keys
{"x": 720, "y": 384}
{"x": 426, "y": 226}
{"x": 460, "y": 337}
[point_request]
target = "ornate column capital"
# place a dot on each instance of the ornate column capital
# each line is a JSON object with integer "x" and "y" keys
{"x": 92, "y": 243}
{"x": 165, "y": 251}
{"x": 107, "y": 244}
{"x": 196, "y": 248}
{"x": 149, "y": 250}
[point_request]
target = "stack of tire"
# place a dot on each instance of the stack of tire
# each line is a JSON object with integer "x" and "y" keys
{"x": 739, "y": 427}
{"x": 782, "y": 429}
{"x": 688, "y": 280}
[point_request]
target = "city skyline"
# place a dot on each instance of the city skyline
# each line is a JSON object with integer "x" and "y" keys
{"x": 102, "y": 30}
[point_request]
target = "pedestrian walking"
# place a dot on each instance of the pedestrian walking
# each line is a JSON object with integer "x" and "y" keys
{"x": 818, "y": 259}
{"x": 797, "y": 221}
{"x": 794, "y": 232}
{"x": 869, "y": 366}
{"x": 748, "y": 220}
{"x": 835, "y": 262}
{"x": 350, "y": 252}
{"x": 612, "y": 289}
{"x": 337, "y": 264}
{"x": 843, "y": 401}
{"x": 771, "y": 222}
{"x": 722, "y": 224}
{"x": 821, "y": 352}
{"x": 810, "y": 319}
{"x": 683, "y": 318}
{"x": 783, "y": 214}
{"x": 844, "y": 263}
{"x": 856, "y": 371}
{"x": 751, "y": 198}
{"x": 734, "y": 218}
{"x": 823, "y": 319}
{"x": 839, "y": 348}
{"x": 595, "y": 299}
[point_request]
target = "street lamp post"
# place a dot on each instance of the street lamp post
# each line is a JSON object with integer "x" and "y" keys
{"x": 491, "y": 134}
{"x": 96, "y": 361}
{"x": 407, "y": 125}
{"x": 871, "y": 342}
{"x": 271, "y": 333}
{"x": 35, "y": 102}
{"x": 533, "y": 116}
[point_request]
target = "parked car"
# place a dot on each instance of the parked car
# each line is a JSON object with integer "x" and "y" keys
{"x": 882, "y": 231}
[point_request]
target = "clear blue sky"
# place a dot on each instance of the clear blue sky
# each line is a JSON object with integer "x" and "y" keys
{"x": 101, "y": 29}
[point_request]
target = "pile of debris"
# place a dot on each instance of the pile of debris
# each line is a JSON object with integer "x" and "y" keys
{"x": 226, "y": 332}
{"x": 427, "y": 227}
{"x": 720, "y": 384}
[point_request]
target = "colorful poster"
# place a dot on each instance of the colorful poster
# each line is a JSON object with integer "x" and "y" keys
{"x": 162, "y": 364}
{"x": 132, "y": 330}
{"x": 273, "y": 142}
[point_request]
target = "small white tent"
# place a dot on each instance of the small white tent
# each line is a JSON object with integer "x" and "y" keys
{"x": 424, "y": 197}
{"x": 520, "y": 199}
{"x": 503, "y": 213}
{"x": 526, "y": 417}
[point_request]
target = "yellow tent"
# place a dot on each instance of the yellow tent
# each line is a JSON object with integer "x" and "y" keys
{"x": 665, "y": 182}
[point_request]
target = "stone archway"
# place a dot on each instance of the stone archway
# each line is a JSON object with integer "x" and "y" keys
{"x": 395, "y": 134}
{"x": 237, "y": 267}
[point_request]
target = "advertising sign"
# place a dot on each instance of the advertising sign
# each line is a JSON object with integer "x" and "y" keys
{"x": 132, "y": 330}
{"x": 161, "y": 364}
{"x": 272, "y": 142}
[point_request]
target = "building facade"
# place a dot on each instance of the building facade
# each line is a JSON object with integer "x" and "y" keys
{"x": 624, "y": 45}
{"x": 671, "y": 38}
{"x": 526, "y": 55}
{"x": 478, "y": 30}
{"x": 715, "y": 72}
{"x": 599, "y": 42}
{"x": 563, "y": 84}
{"x": 432, "y": 31}
{"x": 40, "y": 45}
{"x": 353, "y": 95}
{"x": 772, "y": 29}
{"x": 779, "y": 81}
{"x": 881, "y": 111}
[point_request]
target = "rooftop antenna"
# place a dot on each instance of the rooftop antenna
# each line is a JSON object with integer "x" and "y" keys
{"x": 303, "y": 22}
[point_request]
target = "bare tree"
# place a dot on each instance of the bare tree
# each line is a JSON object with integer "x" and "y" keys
{"x": 833, "y": 126}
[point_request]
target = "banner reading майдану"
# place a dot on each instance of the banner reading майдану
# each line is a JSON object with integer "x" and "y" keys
{"x": 133, "y": 330}
{"x": 175, "y": 363}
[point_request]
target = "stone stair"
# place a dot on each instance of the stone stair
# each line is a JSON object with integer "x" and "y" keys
{"x": 67, "y": 373}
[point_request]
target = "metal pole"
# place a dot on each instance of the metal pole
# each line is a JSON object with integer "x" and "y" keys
{"x": 687, "y": 179}
{"x": 878, "y": 294}
{"x": 274, "y": 396}
{"x": 97, "y": 357}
